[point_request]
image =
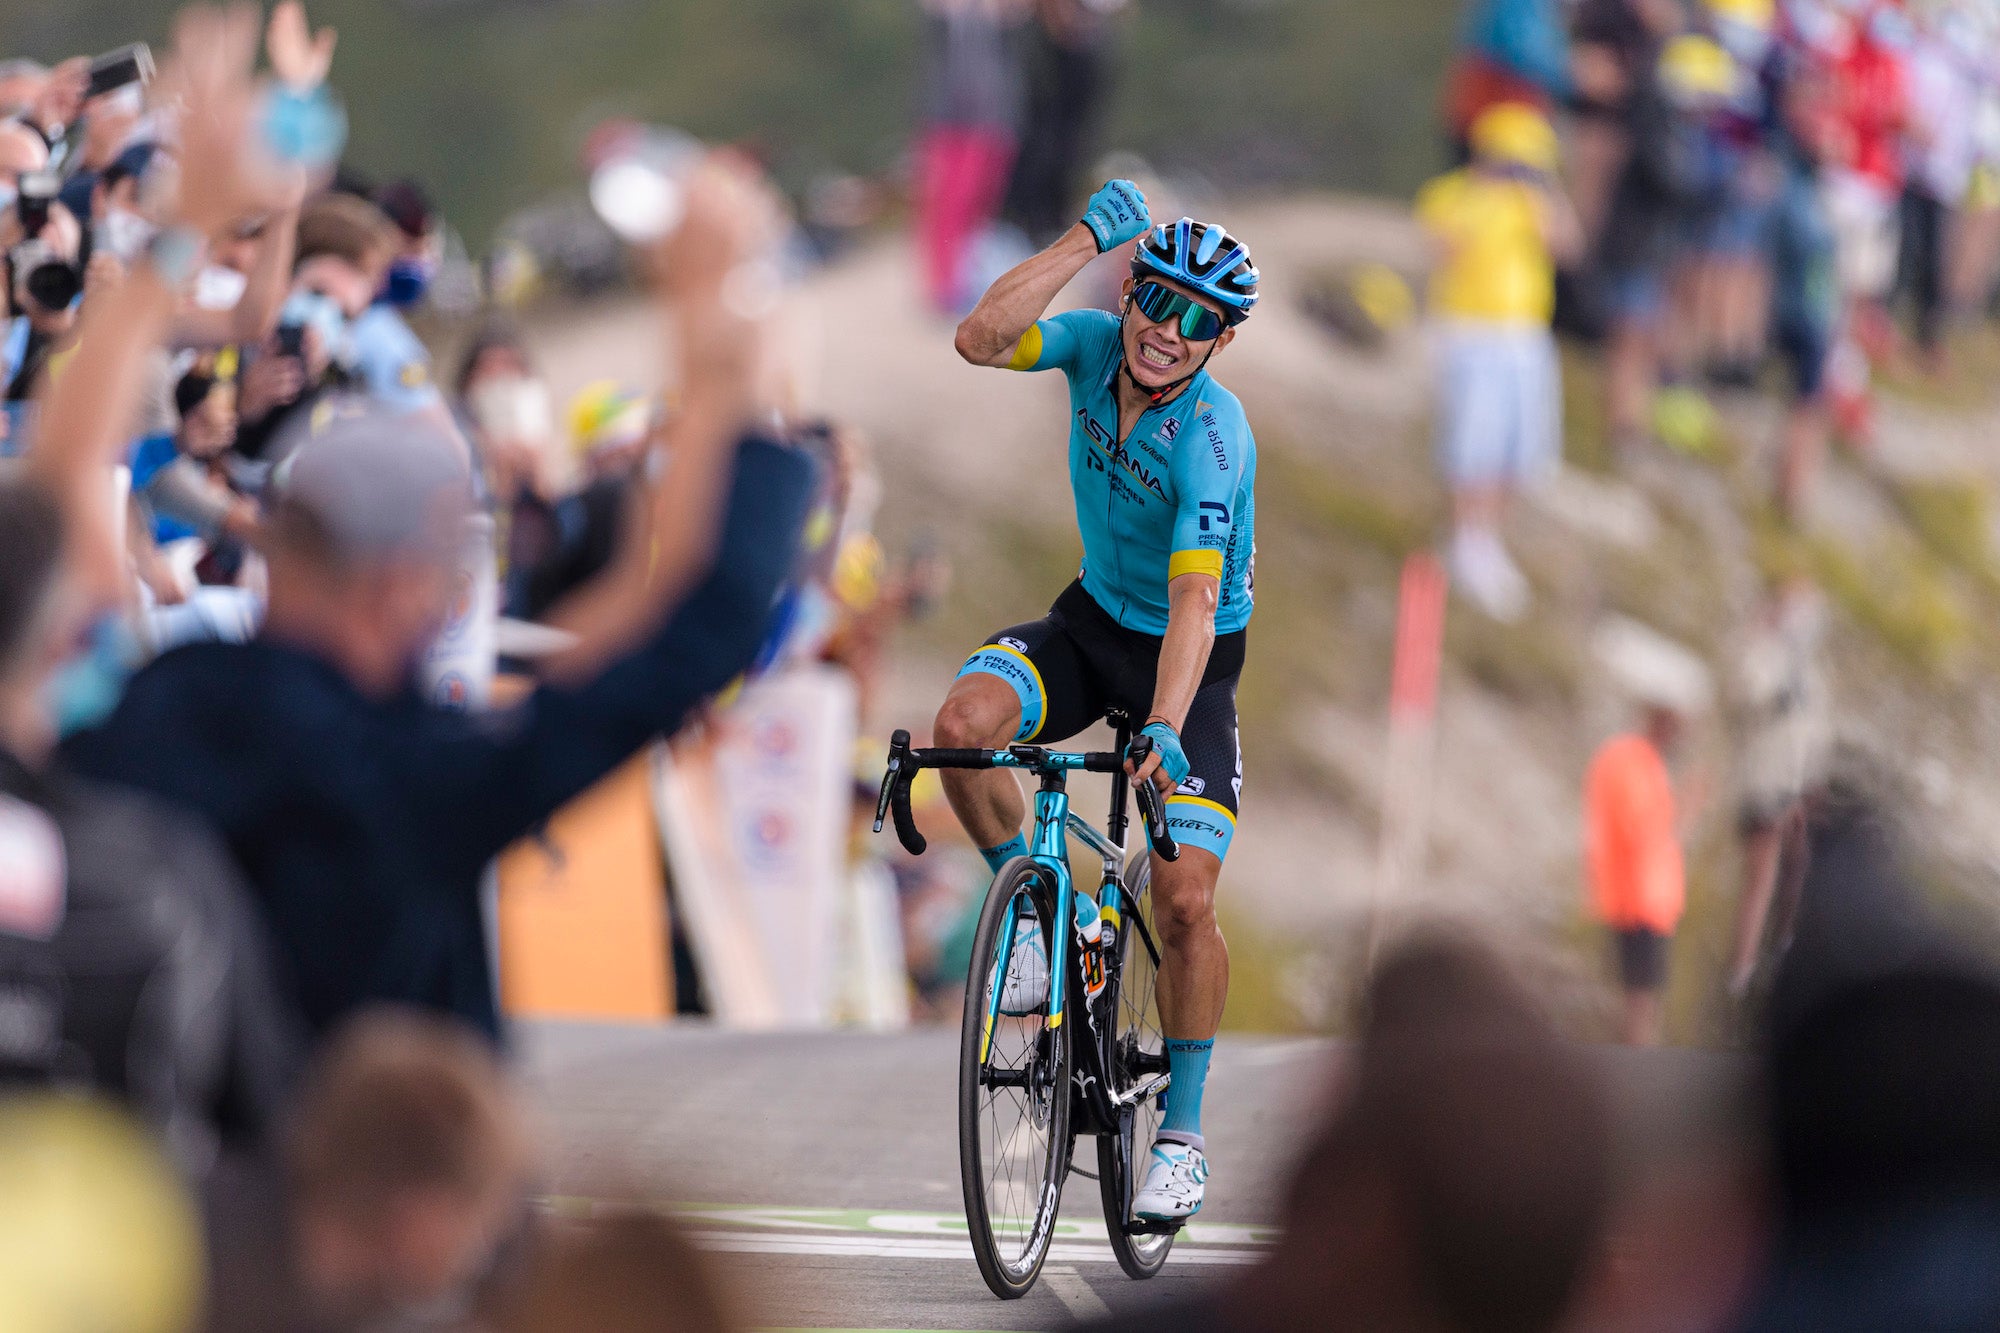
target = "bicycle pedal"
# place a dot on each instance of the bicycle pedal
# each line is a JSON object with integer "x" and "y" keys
{"x": 1147, "y": 1228}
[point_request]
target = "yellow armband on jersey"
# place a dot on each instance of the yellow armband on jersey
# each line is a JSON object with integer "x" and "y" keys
{"x": 1029, "y": 350}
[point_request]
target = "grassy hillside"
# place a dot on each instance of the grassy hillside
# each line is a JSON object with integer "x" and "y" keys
{"x": 490, "y": 100}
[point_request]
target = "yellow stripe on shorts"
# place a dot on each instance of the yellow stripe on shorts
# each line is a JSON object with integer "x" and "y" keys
{"x": 1223, "y": 810}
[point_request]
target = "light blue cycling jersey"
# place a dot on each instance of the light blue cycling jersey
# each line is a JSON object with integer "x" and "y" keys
{"x": 1174, "y": 499}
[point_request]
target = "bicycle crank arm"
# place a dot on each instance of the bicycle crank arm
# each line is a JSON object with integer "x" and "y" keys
{"x": 1139, "y": 1092}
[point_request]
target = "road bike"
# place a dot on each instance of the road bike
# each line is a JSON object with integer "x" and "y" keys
{"x": 1091, "y": 1059}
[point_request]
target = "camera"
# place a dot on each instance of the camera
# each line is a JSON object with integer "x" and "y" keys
{"x": 292, "y": 340}
{"x": 41, "y": 278}
{"x": 38, "y": 190}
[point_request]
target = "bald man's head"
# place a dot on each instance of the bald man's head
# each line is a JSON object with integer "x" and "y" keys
{"x": 21, "y": 151}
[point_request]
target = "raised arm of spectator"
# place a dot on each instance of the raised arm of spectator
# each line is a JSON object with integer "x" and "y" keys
{"x": 88, "y": 411}
{"x": 669, "y": 537}
{"x": 255, "y": 314}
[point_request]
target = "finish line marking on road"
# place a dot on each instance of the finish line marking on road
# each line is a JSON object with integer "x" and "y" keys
{"x": 861, "y": 1233}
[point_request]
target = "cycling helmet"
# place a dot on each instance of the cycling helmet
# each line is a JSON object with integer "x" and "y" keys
{"x": 1204, "y": 257}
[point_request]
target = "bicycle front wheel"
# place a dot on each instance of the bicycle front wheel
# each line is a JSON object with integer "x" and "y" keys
{"x": 1138, "y": 1055}
{"x": 1013, "y": 1095}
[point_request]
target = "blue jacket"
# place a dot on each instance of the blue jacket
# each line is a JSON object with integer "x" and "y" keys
{"x": 1525, "y": 36}
{"x": 364, "y": 826}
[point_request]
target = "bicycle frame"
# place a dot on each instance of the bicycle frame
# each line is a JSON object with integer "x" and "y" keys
{"x": 1049, "y": 847}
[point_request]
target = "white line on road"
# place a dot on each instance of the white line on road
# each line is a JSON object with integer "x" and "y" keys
{"x": 1075, "y": 1294}
{"x": 912, "y": 1247}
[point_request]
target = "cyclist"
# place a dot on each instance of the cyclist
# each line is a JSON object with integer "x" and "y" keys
{"x": 1161, "y": 464}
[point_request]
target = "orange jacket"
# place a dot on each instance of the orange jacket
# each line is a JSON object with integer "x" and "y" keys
{"x": 1631, "y": 840}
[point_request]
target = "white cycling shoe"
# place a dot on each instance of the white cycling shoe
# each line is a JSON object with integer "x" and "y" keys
{"x": 1174, "y": 1184}
{"x": 1027, "y": 987}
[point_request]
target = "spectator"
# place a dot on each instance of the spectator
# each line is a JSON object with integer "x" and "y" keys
{"x": 21, "y": 82}
{"x": 623, "y": 1271}
{"x": 101, "y": 1233}
{"x": 1864, "y": 188}
{"x": 403, "y": 1167}
{"x": 1616, "y": 44}
{"x": 1633, "y": 850}
{"x": 1784, "y": 735}
{"x": 1497, "y": 225}
{"x": 1069, "y": 72}
{"x": 1731, "y": 277}
{"x": 1944, "y": 100}
{"x": 343, "y": 253}
{"x": 392, "y": 361}
{"x": 1461, "y": 1182}
{"x": 558, "y": 548}
{"x": 1668, "y": 175}
{"x": 503, "y": 405}
{"x": 363, "y": 817}
{"x": 1511, "y": 51}
{"x": 130, "y": 952}
{"x": 1806, "y": 305}
{"x": 45, "y": 278}
{"x": 1878, "y": 1103}
{"x": 971, "y": 117}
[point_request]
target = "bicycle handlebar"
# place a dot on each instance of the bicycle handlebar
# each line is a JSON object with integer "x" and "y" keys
{"x": 905, "y": 762}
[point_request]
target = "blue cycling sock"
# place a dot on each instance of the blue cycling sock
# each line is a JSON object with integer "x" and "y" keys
{"x": 1005, "y": 852}
{"x": 1187, "y": 1062}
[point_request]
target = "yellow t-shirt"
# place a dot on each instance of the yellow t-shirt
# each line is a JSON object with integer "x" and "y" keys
{"x": 1496, "y": 266}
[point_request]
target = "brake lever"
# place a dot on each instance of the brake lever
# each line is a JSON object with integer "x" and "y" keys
{"x": 895, "y": 799}
{"x": 899, "y": 747}
{"x": 1150, "y": 807}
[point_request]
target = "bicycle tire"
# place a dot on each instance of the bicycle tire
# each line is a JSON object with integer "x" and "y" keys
{"x": 1011, "y": 1233}
{"x": 1132, "y": 999}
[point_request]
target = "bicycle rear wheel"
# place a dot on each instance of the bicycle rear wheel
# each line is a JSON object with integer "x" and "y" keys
{"x": 1013, "y": 1097}
{"x": 1138, "y": 1053}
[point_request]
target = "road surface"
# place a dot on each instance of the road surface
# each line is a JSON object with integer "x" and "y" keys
{"x": 823, "y": 1168}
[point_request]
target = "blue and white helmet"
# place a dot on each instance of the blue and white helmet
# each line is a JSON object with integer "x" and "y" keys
{"x": 1203, "y": 256}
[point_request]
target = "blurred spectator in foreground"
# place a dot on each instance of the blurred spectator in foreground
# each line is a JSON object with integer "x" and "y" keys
{"x": 365, "y": 817}
{"x": 1881, "y": 1105}
{"x": 971, "y": 116}
{"x": 1069, "y": 72}
{"x": 405, "y": 1163}
{"x": 130, "y": 952}
{"x": 1785, "y": 726}
{"x": 1498, "y": 225}
{"x": 97, "y": 1232}
{"x": 1632, "y": 822}
{"x": 1462, "y": 1181}
{"x": 619, "y": 1272}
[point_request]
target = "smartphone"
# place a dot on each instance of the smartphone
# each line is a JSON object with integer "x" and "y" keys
{"x": 123, "y": 68}
{"x": 292, "y": 340}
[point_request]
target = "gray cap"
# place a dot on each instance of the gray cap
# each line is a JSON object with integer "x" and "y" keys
{"x": 379, "y": 483}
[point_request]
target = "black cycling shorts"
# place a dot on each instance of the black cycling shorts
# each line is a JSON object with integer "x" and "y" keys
{"x": 1076, "y": 664}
